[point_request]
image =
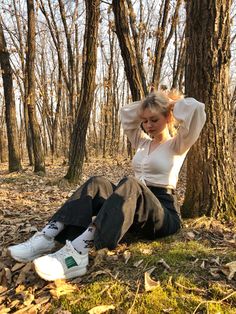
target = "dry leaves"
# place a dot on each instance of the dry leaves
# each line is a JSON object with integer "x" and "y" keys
{"x": 126, "y": 255}
{"x": 229, "y": 270}
{"x": 138, "y": 263}
{"x": 101, "y": 309}
{"x": 149, "y": 283}
{"x": 27, "y": 201}
{"x": 61, "y": 287}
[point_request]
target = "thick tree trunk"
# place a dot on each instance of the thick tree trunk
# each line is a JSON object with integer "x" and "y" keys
{"x": 12, "y": 136}
{"x": 210, "y": 171}
{"x": 39, "y": 164}
{"x": 137, "y": 45}
{"x": 77, "y": 147}
{"x": 127, "y": 50}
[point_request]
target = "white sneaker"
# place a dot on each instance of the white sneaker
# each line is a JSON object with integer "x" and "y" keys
{"x": 66, "y": 263}
{"x": 36, "y": 246}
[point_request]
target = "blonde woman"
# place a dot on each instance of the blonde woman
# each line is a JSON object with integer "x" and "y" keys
{"x": 99, "y": 213}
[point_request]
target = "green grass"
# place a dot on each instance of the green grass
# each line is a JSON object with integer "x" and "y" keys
{"x": 185, "y": 288}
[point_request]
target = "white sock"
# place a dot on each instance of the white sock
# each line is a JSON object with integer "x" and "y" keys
{"x": 53, "y": 228}
{"x": 84, "y": 242}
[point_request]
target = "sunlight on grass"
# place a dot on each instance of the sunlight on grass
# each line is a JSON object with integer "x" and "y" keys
{"x": 183, "y": 289}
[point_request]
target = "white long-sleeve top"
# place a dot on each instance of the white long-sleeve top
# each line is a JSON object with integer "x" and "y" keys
{"x": 161, "y": 167}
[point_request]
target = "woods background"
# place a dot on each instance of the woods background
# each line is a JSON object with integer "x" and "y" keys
{"x": 68, "y": 66}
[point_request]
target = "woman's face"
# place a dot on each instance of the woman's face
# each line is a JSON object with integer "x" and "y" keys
{"x": 153, "y": 123}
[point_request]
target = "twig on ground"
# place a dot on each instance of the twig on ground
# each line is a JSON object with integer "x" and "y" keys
{"x": 208, "y": 302}
{"x": 135, "y": 297}
{"x": 189, "y": 288}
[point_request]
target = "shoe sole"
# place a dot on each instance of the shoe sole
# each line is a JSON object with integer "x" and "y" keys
{"x": 26, "y": 260}
{"x": 71, "y": 275}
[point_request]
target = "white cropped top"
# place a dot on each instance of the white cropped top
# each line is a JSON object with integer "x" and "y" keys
{"x": 161, "y": 167}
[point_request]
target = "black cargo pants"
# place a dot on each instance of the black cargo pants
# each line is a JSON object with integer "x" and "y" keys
{"x": 153, "y": 211}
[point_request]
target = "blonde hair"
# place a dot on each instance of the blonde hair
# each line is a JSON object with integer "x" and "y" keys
{"x": 163, "y": 102}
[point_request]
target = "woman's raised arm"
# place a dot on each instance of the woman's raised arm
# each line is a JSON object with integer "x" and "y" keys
{"x": 191, "y": 115}
{"x": 131, "y": 123}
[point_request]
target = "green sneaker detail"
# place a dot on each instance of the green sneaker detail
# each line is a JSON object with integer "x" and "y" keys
{"x": 70, "y": 262}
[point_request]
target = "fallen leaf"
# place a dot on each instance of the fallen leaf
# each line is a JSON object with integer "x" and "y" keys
{"x": 28, "y": 298}
{"x": 23, "y": 273}
{"x": 17, "y": 266}
{"x": 42, "y": 300}
{"x": 214, "y": 272}
{"x": 101, "y": 309}
{"x": 61, "y": 288}
{"x": 113, "y": 258}
{"x": 2, "y": 265}
{"x": 161, "y": 261}
{"x": 20, "y": 288}
{"x": 195, "y": 261}
{"x": 216, "y": 260}
{"x": 146, "y": 251}
{"x": 14, "y": 303}
{"x": 6, "y": 276}
{"x": 5, "y": 310}
{"x": 126, "y": 255}
{"x": 229, "y": 269}
{"x": 202, "y": 265}
{"x": 100, "y": 257}
{"x": 190, "y": 235}
{"x": 100, "y": 272}
{"x": 149, "y": 283}
{"x": 167, "y": 310}
{"x": 136, "y": 264}
{"x": 33, "y": 229}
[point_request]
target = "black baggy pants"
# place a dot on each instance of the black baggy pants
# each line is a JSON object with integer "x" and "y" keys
{"x": 151, "y": 210}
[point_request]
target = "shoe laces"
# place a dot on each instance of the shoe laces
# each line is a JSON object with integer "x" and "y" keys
{"x": 29, "y": 242}
{"x": 63, "y": 251}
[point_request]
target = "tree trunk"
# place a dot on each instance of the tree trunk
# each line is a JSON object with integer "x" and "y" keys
{"x": 21, "y": 51}
{"x": 71, "y": 64}
{"x": 12, "y": 136}
{"x": 210, "y": 171}
{"x": 39, "y": 164}
{"x": 3, "y": 146}
{"x": 162, "y": 42}
{"x": 127, "y": 50}
{"x": 137, "y": 47}
{"x": 179, "y": 65}
{"x": 77, "y": 147}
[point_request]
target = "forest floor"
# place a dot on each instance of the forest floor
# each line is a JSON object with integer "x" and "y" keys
{"x": 193, "y": 271}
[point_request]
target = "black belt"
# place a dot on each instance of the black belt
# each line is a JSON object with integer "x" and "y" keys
{"x": 161, "y": 190}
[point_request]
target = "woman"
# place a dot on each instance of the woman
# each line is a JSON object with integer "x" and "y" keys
{"x": 99, "y": 213}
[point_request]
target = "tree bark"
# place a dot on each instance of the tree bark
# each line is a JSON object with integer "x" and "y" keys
{"x": 179, "y": 65}
{"x": 137, "y": 47}
{"x": 39, "y": 164}
{"x": 210, "y": 170}
{"x": 3, "y": 146}
{"x": 14, "y": 163}
{"x": 21, "y": 52}
{"x": 71, "y": 63}
{"x": 162, "y": 42}
{"x": 77, "y": 147}
{"x": 127, "y": 50}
